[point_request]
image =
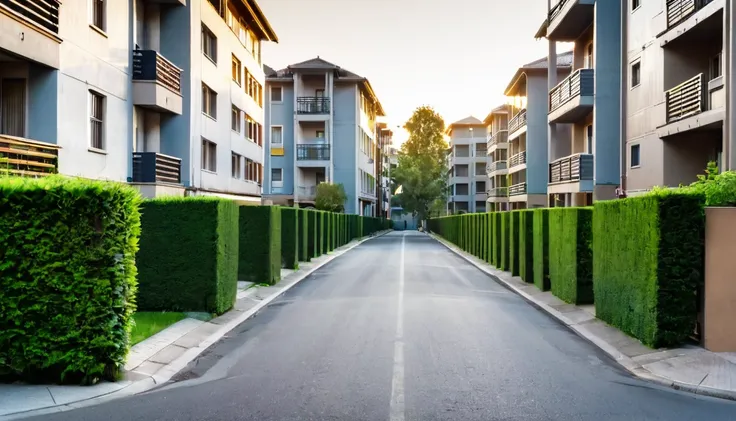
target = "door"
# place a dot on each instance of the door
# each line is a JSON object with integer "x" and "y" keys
{"x": 13, "y": 107}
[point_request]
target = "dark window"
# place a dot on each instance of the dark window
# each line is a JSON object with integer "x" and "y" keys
{"x": 97, "y": 120}
{"x": 209, "y": 101}
{"x": 209, "y": 155}
{"x": 98, "y": 13}
{"x": 635, "y": 74}
{"x": 635, "y": 157}
{"x": 635, "y": 4}
{"x": 276, "y": 94}
{"x": 209, "y": 44}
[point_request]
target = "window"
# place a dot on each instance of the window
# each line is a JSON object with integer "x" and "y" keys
{"x": 209, "y": 101}
{"x": 590, "y": 139}
{"x": 635, "y": 74}
{"x": 235, "y": 117}
{"x": 209, "y": 155}
{"x": 277, "y": 135}
{"x": 98, "y": 14}
{"x": 716, "y": 66}
{"x": 277, "y": 175}
{"x": 235, "y": 166}
{"x": 237, "y": 71}
{"x": 209, "y": 44}
{"x": 320, "y": 134}
{"x": 97, "y": 120}
{"x": 635, "y": 4}
{"x": 253, "y": 171}
{"x": 589, "y": 56}
{"x": 635, "y": 157}
{"x": 276, "y": 94}
{"x": 255, "y": 131}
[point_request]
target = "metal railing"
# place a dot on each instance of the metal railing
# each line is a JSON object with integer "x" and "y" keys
{"x": 686, "y": 99}
{"x": 501, "y": 136}
{"x": 518, "y": 159}
{"x": 579, "y": 83}
{"x": 149, "y": 65}
{"x": 571, "y": 168}
{"x": 312, "y": 105}
{"x": 556, "y": 9}
{"x": 41, "y": 13}
{"x": 497, "y": 165}
{"x": 307, "y": 191}
{"x": 25, "y": 157}
{"x": 518, "y": 121}
{"x": 517, "y": 189}
{"x": 498, "y": 192}
{"x": 312, "y": 152}
{"x": 153, "y": 167}
{"x": 679, "y": 10}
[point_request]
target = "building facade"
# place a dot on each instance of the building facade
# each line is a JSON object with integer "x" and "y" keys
{"x": 467, "y": 161}
{"x": 497, "y": 135}
{"x": 321, "y": 127}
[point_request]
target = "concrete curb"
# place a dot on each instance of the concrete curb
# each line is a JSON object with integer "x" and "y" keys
{"x": 623, "y": 360}
{"x": 167, "y": 372}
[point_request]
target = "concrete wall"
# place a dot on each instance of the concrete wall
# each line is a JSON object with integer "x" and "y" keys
{"x": 280, "y": 114}
{"x": 345, "y": 147}
{"x": 536, "y": 135}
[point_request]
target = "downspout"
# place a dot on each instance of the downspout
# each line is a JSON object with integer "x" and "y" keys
{"x": 624, "y": 95}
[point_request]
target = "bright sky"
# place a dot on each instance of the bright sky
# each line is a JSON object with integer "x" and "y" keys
{"x": 457, "y": 56}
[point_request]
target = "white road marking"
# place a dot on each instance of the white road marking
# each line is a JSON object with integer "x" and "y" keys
{"x": 398, "y": 409}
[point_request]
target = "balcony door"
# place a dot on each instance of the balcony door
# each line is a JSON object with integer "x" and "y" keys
{"x": 13, "y": 107}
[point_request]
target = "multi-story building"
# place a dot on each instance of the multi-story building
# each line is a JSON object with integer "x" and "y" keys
{"x": 584, "y": 108}
{"x": 321, "y": 127}
{"x": 467, "y": 166}
{"x": 497, "y": 135}
{"x": 527, "y": 160}
{"x": 383, "y": 169}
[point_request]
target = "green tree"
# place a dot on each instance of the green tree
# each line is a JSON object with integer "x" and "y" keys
{"x": 331, "y": 197}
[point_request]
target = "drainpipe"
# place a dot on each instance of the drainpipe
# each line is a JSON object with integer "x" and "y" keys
{"x": 728, "y": 124}
{"x": 624, "y": 93}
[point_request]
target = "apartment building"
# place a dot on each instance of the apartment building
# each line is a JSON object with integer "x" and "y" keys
{"x": 527, "y": 153}
{"x": 321, "y": 122}
{"x": 467, "y": 162}
{"x": 584, "y": 109}
{"x": 497, "y": 135}
{"x": 385, "y": 152}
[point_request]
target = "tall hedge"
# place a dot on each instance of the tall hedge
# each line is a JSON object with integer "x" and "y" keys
{"x": 505, "y": 241}
{"x": 649, "y": 264}
{"x": 290, "y": 237}
{"x": 489, "y": 238}
{"x": 304, "y": 252}
{"x": 497, "y": 238}
{"x": 261, "y": 226}
{"x": 526, "y": 245}
{"x": 514, "y": 221}
{"x": 541, "y": 249}
{"x": 571, "y": 254}
{"x": 313, "y": 241}
{"x": 67, "y": 278}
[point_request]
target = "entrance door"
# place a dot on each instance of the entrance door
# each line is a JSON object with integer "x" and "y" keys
{"x": 13, "y": 107}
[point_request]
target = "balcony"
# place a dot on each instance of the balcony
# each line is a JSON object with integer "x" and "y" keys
{"x": 498, "y": 192}
{"x": 518, "y": 159}
{"x": 517, "y": 189}
{"x": 518, "y": 122}
{"x": 498, "y": 140}
{"x": 685, "y": 99}
{"x": 572, "y": 99}
{"x": 41, "y": 44}
{"x": 496, "y": 166}
{"x": 577, "y": 168}
{"x": 679, "y": 10}
{"x": 156, "y": 82}
{"x": 26, "y": 157}
{"x": 153, "y": 167}
{"x": 312, "y": 152}
{"x": 312, "y": 105}
{"x": 308, "y": 193}
{"x": 694, "y": 104}
{"x": 569, "y": 18}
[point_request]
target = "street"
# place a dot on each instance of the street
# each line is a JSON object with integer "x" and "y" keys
{"x": 400, "y": 328}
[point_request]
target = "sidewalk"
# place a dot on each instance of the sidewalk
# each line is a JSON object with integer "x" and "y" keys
{"x": 690, "y": 368}
{"x": 157, "y": 359}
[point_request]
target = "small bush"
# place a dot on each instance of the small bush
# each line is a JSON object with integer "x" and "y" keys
{"x": 261, "y": 226}
{"x": 290, "y": 237}
{"x": 526, "y": 245}
{"x": 571, "y": 254}
{"x": 514, "y": 247}
{"x": 541, "y": 249}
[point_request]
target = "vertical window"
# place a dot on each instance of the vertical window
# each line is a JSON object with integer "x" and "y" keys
{"x": 237, "y": 71}
{"x": 277, "y": 175}
{"x": 277, "y": 135}
{"x": 13, "y": 107}
{"x": 209, "y": 155}
{"x": 97, "y": 120}
{"x": 716, "y": 63}
{"x": 635, "y": 74}
{"x": 590, "y": 139}
{"x": 98, "y": 14}
{"x": 209, "y": 101}
{"x": 635, "y": 157}
{"x": 589, "y": 56}
{"x": 235, "y": 117}
{"x": 635, "y": 4}
{"x": 276, "y": 94}
{"x": 235, "y": 166}
{"x": 209, "y": 44}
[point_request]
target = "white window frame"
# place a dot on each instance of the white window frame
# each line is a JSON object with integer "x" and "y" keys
{"x": 208, "y": 32}
{"x": 209, "y": 97}
{"x": 636, "y": 63}
{"x": 270, "y": 136}
{"x": 92, "y": 15}
{"x": 236, "y": 123}
{"x": 274, "y": 183}
{"x": 236, "y": 61}
{"x": 93, "y": 119}
{"x": 236, "y": 171}
{"x": 207, "y": 155}
{"x": 631, "y": 148}
{"x": 281, "y": 90}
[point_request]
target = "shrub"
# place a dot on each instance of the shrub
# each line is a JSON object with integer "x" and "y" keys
{"x": 649, "y": 264}
{"x": 497, "y": 239}
{"x": 290, "y": 237}
{"x": 571, "y": 254}
{"x": 505, "y": 241}
{"x": 514, "y": 248}
{"x": 67, "y": 276}
{"x": 188, "y": 259}
{"x": 260, "y": 244}
{"x": 489, "y": 238}
{"x": 305, "y": 252}
{"x": 526, "y": 245}
{"x": 541, "y": 249}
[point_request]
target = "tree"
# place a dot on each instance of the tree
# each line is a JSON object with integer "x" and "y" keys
{"x": 331, "y": 197}
{"x": 422, "y": 167}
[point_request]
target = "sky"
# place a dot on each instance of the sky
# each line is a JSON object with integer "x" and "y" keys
{"x": 457, "y": 56}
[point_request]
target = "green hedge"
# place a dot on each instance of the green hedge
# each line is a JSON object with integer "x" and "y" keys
{"x": 497, "y": 239}
{"x": 489, "y": 237}
{"x": 260, "y": 225}
{"x": 514, "y": 247}
{"x": 313, "y": 241}
{"x": 571, "y": 254}
{"x": 322, "y": 227}
{"x": 526, "y": 245}
{"x": 505, "y": 242}
{"x": 649, "y": 265}
{"x": 188, "y": 259}
{"x": 290, "y": 237}
{"x": 541, "y": 249}
{"x": 304, "y": 252}
{"x": 67, "y": 276}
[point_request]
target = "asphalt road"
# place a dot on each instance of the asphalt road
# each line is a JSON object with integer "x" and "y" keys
{"x": 397, "y": 329}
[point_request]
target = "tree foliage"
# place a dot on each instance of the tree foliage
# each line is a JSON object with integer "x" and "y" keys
{"x": 331, "y": 197}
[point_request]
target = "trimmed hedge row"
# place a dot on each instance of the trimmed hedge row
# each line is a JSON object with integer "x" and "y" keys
{"x": 639, "y": 260}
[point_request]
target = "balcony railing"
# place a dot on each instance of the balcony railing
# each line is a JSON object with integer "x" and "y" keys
{"x": 679, "y": 10}
{"x": 518, "y": 121}
{"x": 579, "y": 83}
{"x": 497, "y": 165}
{"x": 42, "y": 13}
{"x": 500, "y": 137}
{"x": 518, "y": 159}
{"x": 149, "y": 65}
{"x": 307, "y": 191}
{"x": 498, "y": 192}
{"x": 24, "y": 157}
{"x": 517, "y": 189}
{"x": 153, "y": 167}
{"x": 312, "y": 152}
{"x": 686, "y": 99}
{"x": 571, "y": 168}
{"x": 556, "y": 9}
{"x": 312, "y": 105}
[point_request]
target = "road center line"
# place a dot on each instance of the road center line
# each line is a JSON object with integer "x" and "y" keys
{"x": 397, "y": 412}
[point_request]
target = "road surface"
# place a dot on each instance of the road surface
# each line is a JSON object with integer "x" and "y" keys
{"x": 400, "y": 328}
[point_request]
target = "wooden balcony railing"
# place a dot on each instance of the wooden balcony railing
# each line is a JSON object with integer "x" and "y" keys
{"x": 149, "y": 65}
{"x": 25, "y": 157}
{"x": 518, "y": 121}
{"x": 580, "y": 83}
{"x": 312, "y": 105}
{"x": 679, "y": 10}
{"x": 571, "y": 168}
{"x": 517, "y": 189}
{"x": 312, "y": 152}
{"x": 497, "y": 165}
{"x": 518, "y": 159}
{"x": 686, "y": 99}
{"x": 498, "y": 192}
{"x": 153, "y": 167}
{"x": 41, "y": 13}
